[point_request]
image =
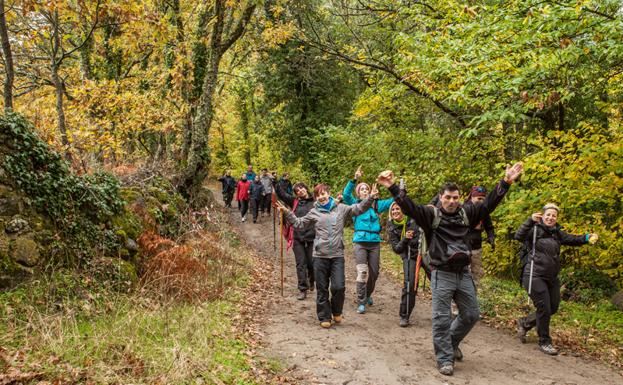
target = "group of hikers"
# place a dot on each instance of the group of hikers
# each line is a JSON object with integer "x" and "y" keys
{"x": 443, "y": 237}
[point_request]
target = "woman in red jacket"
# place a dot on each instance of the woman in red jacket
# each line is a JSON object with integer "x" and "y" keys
{"x": 242, "y": 195}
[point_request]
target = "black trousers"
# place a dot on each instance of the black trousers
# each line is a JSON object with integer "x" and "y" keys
{"x": 266, "y": 203}
{"x": 546, "y": 298}
{"x": 227, "y": 197}
{"x": 255, "y": 206}
{"x": 329, "y": 274}
{"x": 407, "y": 300}
{"x": 244, "y": 207}
{"x": 303, "y": 252}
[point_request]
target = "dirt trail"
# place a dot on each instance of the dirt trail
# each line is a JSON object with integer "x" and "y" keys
{"x": 372, "y": 348}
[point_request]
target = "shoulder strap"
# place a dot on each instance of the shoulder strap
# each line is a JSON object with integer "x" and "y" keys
{"x": 464, "y": 216}
{"x": 295, "y": 204}
{"x": 436, "y": 218}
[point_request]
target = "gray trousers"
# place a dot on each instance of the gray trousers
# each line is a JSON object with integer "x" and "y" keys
{"x": 367, "y": 261}
{"x": 448, "y": 333}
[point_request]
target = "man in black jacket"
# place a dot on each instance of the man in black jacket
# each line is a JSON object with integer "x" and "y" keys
{"x": 229, "y": 187}
{"x": 445, "y": 232}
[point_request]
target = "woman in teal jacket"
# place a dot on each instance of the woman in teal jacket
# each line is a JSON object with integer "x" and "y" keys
{"x": 366, "y": 239}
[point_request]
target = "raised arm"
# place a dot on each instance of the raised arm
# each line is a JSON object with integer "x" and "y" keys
{"x": 359, "y": 208}
{"x": 575, "y": 240}
{"x": 347, "y": 194}
{"x": 298, "y": 223}
{"x": 526, "y": 228}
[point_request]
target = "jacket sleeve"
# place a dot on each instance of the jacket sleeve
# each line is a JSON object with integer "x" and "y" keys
{"x": 422, "y": 215}
{"x": 300, "y": 223}
{"x": 283, "y": 195}
{"x": 572, "y": 240}
{"x": 384, "y": 204}
{"x": 347, "y": 195}
{"x": 488, "y": 224}
{"x": 525, "y": 230}
{"x": 398, "y": 245}
{"x": 359, "y": 208}
{"x": 478, "y": 211}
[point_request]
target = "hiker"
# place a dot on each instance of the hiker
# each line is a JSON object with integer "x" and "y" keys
{"x": 445, "y": 230}
{"x": 544, "y": 250}
{"x": 300, "y": 240}
{"x": 267, "y": 181}
{"x": 242, "y": 196}
{"x": 476, "y": 195}
{"x": 403, "y": 235}
{"x": 366, "y": 239}
{"x": 285, "y": 183}
{"x": 229, "y": 187}
{"x": 257, "y": 196}
{"x": 250, "y": 174}
{"x": 327, "y": 217}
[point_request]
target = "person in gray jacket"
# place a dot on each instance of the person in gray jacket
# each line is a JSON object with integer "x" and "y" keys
{"x": 328, "y": 218}
{"x": 267, "y": 181}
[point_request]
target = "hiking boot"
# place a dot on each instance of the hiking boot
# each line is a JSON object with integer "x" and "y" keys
{"x": 361, "y": 309}
{"x": 311, "y": 286}
{"x": 302, "y": 295}
{"x": 548, "y": 349}
{"x": 447, "y": 369}
{"x": 404, "y": 322}
{"x": 458, "y": 354}
{"x": 325, "y": 324}
{"x": 338, "y": 318}
{"x": 521, "y": 332}
{"x": 369, "y": 301}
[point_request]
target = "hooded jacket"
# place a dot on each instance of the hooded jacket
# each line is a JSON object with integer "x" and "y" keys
{"x": 368, "y": 224}
{"x": 547, "y": 248}
{"x": 242, "y": 190}
{"x": 257, "y": 190}
{"x": 229, "y": 183}
{"x": 303, "y": 207}
{"x": 329, "y": 225}
{"x": 451, "y": 234}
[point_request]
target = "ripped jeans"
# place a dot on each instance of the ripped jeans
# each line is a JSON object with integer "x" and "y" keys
{"x": 367, "y": 262}
{"x": 448, "y": 333}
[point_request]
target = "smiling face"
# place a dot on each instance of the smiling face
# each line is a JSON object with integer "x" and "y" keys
{"x": 301, "y": 192}
{"x": 550, "y": 217}
{"x": 396, "y": 213}
{"x": 323, "y": 197}
{"x": 449, "y": 200}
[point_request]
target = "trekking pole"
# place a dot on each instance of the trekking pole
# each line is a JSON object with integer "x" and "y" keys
{"x": 532, "y": 259}
{"x": 408, "y": 272}
{"x": 281, "y": 246}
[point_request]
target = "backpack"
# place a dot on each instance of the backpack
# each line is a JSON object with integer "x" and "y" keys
{"x": 288, "y": 229}
{"x": 456, "y": 257}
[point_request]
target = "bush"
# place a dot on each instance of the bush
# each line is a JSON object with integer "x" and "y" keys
{"x": 586, "y": 285}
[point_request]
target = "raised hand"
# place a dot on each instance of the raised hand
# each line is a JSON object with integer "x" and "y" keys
{"x": 537, "y": 217}
{"x": 592, "y": 238}
{"x": 358, "y": 173}
{"x": 282, "y": 207}
{"x": 386, "y": 178}
{"x": 374, "y": 193}
{"x": 513, "y": 172}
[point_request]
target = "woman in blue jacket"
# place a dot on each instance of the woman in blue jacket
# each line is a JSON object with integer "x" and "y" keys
{"x": 366, "y": 239}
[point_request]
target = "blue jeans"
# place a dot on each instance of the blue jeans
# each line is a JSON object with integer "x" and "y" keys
{"x": 448, "y": 333}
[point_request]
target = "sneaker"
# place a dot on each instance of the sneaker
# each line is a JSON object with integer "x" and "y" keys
{"x": 302, "y": 295}
{"x": 447, "y": 369}
{"x": 404, "y": 322}
{"x": 548, "y": 349}
{"x": 458, "y": 354}
{"x": 521, "y": 332}
{"x": 255, "y": 221}
{"x": 244, "y": 219}
{"x": 369, "y": 301}
{"x": 361, "y": 309}
{"x": 325, "y": 324}
{"x": 338, "y": 318}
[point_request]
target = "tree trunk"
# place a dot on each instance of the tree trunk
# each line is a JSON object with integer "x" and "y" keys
{"x": 8, "y": 60}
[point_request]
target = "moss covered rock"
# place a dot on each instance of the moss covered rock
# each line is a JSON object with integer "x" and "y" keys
{"x": 25, "y": 251}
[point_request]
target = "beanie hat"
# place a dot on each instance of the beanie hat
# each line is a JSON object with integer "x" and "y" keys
{"x": 478, "y": 191}
{"x": 359, "y": 186}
